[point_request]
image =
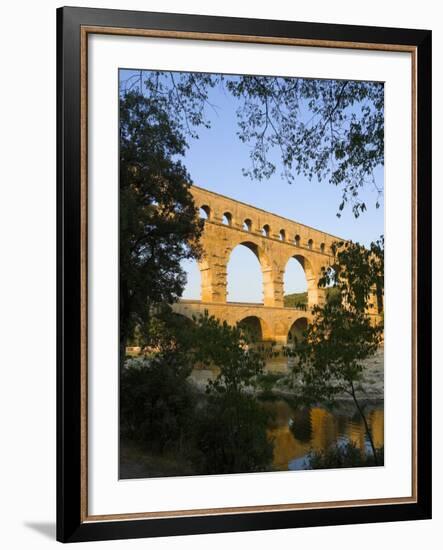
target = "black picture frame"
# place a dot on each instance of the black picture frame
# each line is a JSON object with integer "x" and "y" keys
{"x": 71, "y": 523}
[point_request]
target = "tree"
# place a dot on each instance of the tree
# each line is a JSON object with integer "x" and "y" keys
{"x": 356, "y": 273}
{"x": 327, "y": 129}
{"x": 228, "y": 349}
{"x": 231, "y": 429}
{"x": 324, "y": 129}
{"x": 223, "y": 433}
{"x": 157, "y": 398}
{"x": 157, "y": 402}
{"x": 342, "y": 334}
{"x": 159, "y": 224}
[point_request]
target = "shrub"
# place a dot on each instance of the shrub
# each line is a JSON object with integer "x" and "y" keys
{"x": 232, "y": 435}
{"x": 344, "y": 456}
{"x": 157, "y": 403}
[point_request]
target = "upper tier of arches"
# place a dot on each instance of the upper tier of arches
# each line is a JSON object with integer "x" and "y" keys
{"x": 223, "y": 210}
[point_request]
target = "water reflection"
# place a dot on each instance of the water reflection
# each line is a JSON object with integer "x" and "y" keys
{"x": 297, "y": 431}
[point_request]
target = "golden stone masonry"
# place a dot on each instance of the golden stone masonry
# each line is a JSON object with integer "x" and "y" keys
{"x": 274, "y": 240}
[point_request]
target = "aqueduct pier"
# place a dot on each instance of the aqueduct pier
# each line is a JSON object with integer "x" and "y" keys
{"x": 274, "y": 240}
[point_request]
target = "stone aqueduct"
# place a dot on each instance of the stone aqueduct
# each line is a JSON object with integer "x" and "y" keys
{"x": 274, "y": 240}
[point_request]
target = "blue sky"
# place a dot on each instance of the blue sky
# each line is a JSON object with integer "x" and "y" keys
{"x": 215, "y": 162}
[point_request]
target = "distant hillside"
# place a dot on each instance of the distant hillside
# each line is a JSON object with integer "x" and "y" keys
{"x": 297, "y": 299}
{"x": 300, "y": 299}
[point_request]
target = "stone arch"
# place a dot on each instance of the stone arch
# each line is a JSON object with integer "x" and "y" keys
{"x": 244, "y": 278}
{"x": 295, "y": 285}
{"x": 205, "y": 212}
{"x": 224, "y": 230}
{"x": 296, "y": 330}
{"x": 193, "y": 288}
{"x": 247, "y": 225}
{"x": 187, "y": 317}
{"x": 270, "y": 276}
{"x": 227, "y": 219}
{"x": 256, "y": 328}
{"x": 311, "y": 278}
{"x": 266, "y": 230}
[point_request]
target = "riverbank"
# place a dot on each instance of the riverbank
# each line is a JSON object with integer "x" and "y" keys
{"x": 137, "y": 462}
{"x": 295, "y": 432}
{"x": 277, "y": 382}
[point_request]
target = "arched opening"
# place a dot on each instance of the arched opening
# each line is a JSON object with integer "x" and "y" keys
{"x": 266, "y": 231}
{"x": 295, "y": 285}
{"x": 244, "y": 274}
{"x": 192, "y": 290}
{"x": 205, "y": 212}
{"x": 256, "y": 332}
{"x": 297, "y": 331}
{"x": 282, "y": 235}
{"x": 322, "y": 247}
{"x": 300, "y": 283}
{"x": 247, "y": 225}
{"x": 227, "y": 219}
{"x": 297, "y": 240}
{"x": 310, "y": 244}
{"x": 252, "y": 328}
{"x": 181, "y": 321}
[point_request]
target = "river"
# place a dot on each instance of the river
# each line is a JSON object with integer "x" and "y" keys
{"x": 297, "y": 431}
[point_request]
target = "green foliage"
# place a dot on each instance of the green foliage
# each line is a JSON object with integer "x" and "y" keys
{"x": 266, "y": 382}
{"x": 299, "y": 300}
{"x": 331, "y": 354}
{"x": 159, "y": 407}
{"x": 231, "y": 434}
{"x": 357, "y": 272}
{"x": 344, "y": 456}
{"x": 341, "y": 334}
{"x": 231, "y": 429}
{"x": 183, "y": 96}
{"x": 221, "y": 345}
{"x": 323, "y": 129}
{"x": 333, "y": 295}
{"x": 172, "y": 333}
{"x": 159, "y": 225}
{"x": 157, "y": 402}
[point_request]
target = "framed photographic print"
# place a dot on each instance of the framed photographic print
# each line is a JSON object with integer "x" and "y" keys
{"x": 244, "y": 274}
